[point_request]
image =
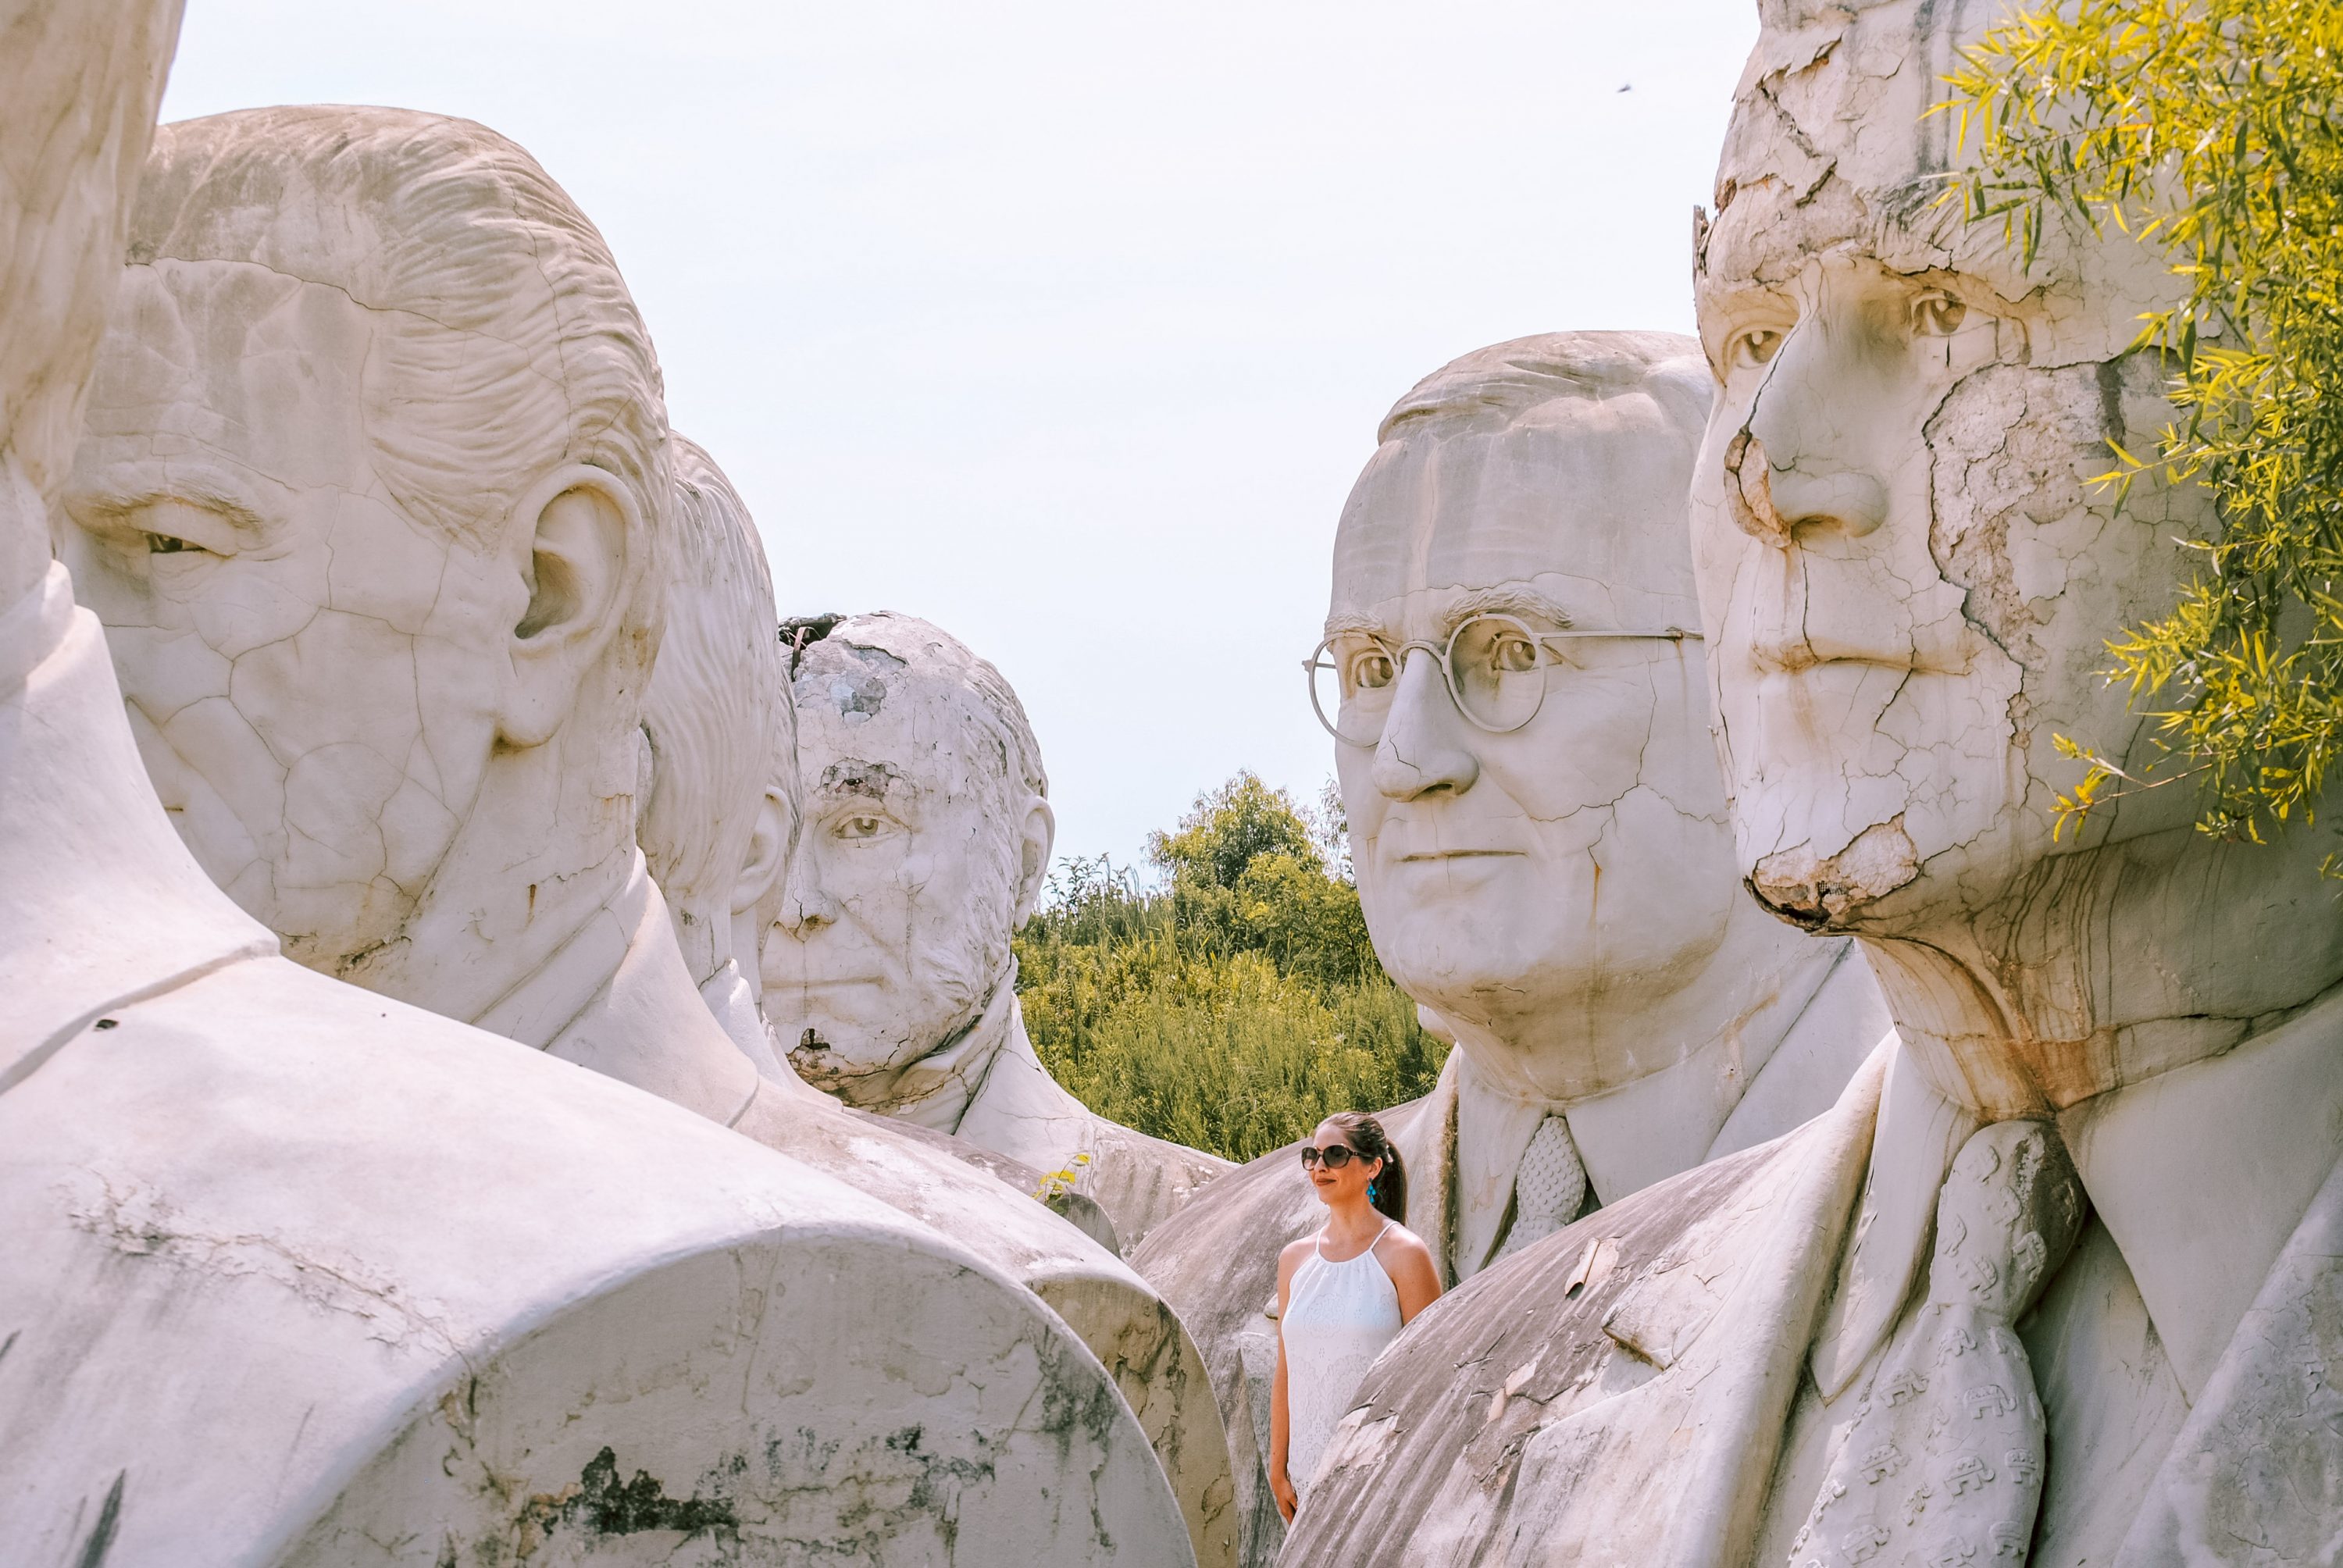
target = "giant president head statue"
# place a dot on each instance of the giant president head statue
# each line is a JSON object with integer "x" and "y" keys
{"x": 369, "y": 499}
{"x": 1909, "y": 581}
{"x": 1514, "y": 678}
{"x": 926, "y": 838}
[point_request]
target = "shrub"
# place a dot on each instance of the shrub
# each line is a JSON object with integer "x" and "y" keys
{"x": 2213, "y": 131}
{"x": 1236, "y": 1007}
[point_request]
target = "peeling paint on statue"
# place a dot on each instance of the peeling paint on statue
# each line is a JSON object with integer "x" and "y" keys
{"x": 888, "y": 965}
{"x": 724, "y": 803}
{"x": 1907, "y": 584}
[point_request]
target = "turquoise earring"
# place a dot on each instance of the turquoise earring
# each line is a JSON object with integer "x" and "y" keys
{"x": 1370, "y": 1191}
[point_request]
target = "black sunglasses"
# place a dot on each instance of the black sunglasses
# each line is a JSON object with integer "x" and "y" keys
{"x": 1335, "y": 1155}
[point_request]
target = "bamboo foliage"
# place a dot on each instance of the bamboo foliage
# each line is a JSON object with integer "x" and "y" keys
{"x": 2208, "y": 129}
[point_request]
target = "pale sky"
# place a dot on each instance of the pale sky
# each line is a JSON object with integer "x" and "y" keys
{"x": 1067, "y": 324}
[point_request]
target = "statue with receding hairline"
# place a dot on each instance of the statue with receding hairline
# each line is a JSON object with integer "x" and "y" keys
{"x": 887, "y": 972}
{"x": 1514, "y": 679}
{"x": 722, "y": 728}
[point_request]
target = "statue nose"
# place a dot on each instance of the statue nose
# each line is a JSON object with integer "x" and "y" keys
{"x": 1801, "y": 462}
{"x": 1421, "y": 751}
{"x": 806, "y": 909}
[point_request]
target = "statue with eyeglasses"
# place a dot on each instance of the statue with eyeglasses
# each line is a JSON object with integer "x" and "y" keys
{"x": 1522, "y": 726}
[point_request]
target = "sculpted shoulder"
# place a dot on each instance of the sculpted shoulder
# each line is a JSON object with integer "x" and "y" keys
{"x": 1587, "y": 1313}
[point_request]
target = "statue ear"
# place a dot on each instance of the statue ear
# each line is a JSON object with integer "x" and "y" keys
{"x": 770, "y": 844}
{"x": 584, "y": 536}
{"x": 1039, "y": 837}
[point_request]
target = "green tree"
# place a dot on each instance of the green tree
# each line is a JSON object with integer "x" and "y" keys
{"x": 1229, "y": 827}
{"x": 1234, "y": 1007}
{"x": 2213, "y": 130}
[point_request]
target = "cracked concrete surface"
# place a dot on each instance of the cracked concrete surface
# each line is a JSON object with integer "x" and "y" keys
{"x": 887, "y": 969}
{"x": 718, "y": 833}
{"x": 362, "y": 556}
{"x": 1907, "y": 584}
{"x": 1561, "y": 895}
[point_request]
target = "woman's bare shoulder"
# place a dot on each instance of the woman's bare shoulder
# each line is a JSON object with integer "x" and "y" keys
{"x": 1399, "y": 1243}
{"x": 1290, "y": 1256}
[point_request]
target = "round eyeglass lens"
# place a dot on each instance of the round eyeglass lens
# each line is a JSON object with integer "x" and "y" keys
{"x": 1497, "y": 670}
{"x": 1351, "y": 679}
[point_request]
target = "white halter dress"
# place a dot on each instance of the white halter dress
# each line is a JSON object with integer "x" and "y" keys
{"x": 1337, "y": 1319}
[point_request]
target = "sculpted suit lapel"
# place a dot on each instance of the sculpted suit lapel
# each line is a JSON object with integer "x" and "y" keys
{"x": 1707, "y": 1340}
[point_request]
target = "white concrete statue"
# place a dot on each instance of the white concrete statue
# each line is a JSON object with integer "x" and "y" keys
{"x": 723, "y": 737}
{"x": 723, "y": 806}
{"x": 375, "y": 498}
{"x": 887, "y": 972}
{"x": 296, "y": 1274}
{"x": 2055, "y": 1282}
{"x": 1516, "y": 686}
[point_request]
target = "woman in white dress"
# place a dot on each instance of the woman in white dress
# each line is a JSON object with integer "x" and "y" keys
{"x": 1341, "y": 1294}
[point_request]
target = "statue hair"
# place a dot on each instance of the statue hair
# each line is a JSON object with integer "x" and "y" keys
{"x": 717, "y": 712}
{"x": 511, "y": 346}
{"x": 1366, "y": 1135}
{"x": 1494, "y": 388}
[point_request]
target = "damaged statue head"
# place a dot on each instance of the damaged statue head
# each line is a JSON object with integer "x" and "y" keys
{"x": 2051, "y": 1282}
{"x": 927, "y": 837}
{"x": 1910, "y": 579}
{"x": 887, "y": 972}
{"x": 376, "y": 441}
{"x": 1515, "y": 679}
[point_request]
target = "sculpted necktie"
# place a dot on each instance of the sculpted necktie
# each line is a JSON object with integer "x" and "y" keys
{"x": 1943, "y": 1465}
{"x": 1548, "y": 1189}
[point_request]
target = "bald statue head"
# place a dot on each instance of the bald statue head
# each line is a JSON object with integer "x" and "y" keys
{"x": 927, "y": 837}
{"x": 372, "y": 502}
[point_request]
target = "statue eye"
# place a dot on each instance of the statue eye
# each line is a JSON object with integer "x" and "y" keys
{"x": 1513, "y": 655}
{"x": 1937, "y": 315}
{"x": 1754, "y": 347}
{"x": 861, "y": 827}
{"x": 1371, "y": 672}
{"x": 171, "y": 545}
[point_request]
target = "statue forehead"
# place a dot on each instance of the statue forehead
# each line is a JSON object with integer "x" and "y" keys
{"x": 229, "y": 366}
{"x": 870, "y": 703}
{"x": 273, "y": 213}
{"x": 1575, "y": 489}
{"x": 1842, "y": 149}
{"x": 226, "y": 320}
{"x": 1840, "y": 144}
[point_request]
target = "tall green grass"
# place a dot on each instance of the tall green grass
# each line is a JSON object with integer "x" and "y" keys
{"x": 1237, "y": 1005}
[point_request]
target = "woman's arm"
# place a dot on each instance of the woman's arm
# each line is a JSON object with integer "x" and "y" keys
{"x": 1280, "y": 1423}
{"x": 1408, "y": 1261}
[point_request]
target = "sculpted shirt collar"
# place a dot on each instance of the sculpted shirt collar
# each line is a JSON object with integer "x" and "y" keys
{"x": 1469, "y": 1144}
{"x": 105, "y": 905}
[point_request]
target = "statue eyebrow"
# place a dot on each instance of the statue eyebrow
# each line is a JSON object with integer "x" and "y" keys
{"x": 1519, "y": 601}
{"x": 121, "y": 501}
